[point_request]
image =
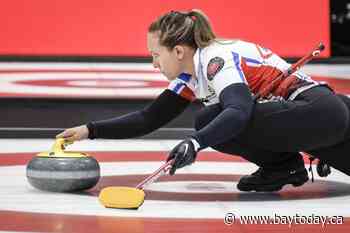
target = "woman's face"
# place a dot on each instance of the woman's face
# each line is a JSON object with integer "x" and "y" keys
{"x": 169, "y": 62}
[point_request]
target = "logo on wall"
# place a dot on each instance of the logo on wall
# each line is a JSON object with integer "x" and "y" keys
{"x": 82, "y": 82}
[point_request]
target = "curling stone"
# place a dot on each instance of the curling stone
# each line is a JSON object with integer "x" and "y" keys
{"x": 63, "y": 171}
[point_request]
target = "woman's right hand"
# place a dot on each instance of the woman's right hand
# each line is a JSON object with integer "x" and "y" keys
{"x": 75, "y": 134}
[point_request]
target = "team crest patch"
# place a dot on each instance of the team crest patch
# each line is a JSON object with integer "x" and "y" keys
{"x": 214, "y": 66}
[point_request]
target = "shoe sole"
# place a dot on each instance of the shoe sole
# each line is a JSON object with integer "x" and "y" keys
{"x": 296, "y": 182}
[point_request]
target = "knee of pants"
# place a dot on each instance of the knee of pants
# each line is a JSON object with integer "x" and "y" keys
{"x": 233, "y": 148}
{"x": 346, "y": 101}
{"x": 205, "y": 116}
{"x": 199, "y": 122}
{"x": 344, "y": 116}
{"x": 262, "y": 158}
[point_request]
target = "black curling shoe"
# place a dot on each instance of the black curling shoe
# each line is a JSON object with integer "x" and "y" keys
{"x": 264, "y": 180}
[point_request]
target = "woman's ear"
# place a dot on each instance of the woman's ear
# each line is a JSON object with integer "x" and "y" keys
{"x": 179, "y": 52}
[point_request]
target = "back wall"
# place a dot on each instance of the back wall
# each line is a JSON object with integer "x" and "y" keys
{"x": 118, "y": 28}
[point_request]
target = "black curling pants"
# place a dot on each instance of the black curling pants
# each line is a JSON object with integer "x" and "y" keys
{"x": 316, "y": 120}
{"x": 338, "y": 155}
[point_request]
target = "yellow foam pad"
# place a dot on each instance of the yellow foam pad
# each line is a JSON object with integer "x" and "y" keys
{"x": 122, "y": 197}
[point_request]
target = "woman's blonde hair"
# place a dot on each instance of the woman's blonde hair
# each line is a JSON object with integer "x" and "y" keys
{"x": 183, "y": 28}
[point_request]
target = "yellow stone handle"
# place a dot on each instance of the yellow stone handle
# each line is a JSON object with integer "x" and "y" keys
{"x": 60, "y": 145}
{"x": 58, "y": 150}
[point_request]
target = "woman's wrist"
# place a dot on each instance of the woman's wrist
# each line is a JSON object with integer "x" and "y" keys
{"x": 92, "y": 130}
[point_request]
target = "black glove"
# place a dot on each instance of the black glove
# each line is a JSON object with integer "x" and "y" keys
{"x": 323, "y": 169}
{"x": 183, "y": 154}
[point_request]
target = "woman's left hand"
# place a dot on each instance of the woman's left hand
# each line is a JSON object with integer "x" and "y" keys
{"x": 184, "y": 154}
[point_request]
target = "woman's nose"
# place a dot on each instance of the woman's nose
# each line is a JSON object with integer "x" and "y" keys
{"x": 155, "y": 64}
